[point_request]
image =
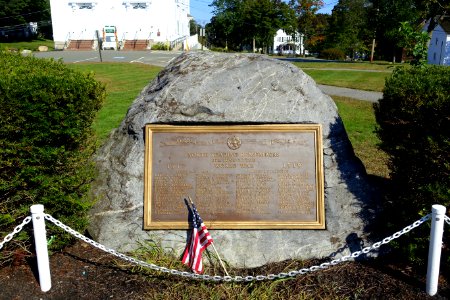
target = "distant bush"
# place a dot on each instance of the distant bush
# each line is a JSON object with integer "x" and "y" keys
{"x": 332, "y": 54}
{"x": 413, "y": 125}
{"x": 46, "y": 142}
{"x": 218, "y": 49}
{"x": 161, "y": 46}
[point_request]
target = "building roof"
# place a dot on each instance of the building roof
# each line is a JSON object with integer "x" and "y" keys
{"x": 445, "y": 24}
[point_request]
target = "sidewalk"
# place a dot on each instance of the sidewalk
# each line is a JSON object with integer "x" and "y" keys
{"x": 351, "y": 93}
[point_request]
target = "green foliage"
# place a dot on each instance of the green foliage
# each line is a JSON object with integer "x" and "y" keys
{"x": 46, "y": 140}
{"x": 415, "y": 43}
{"x": 413, "y": 119}
{"x": 15, "y": 15}
{"x": 309, "y": 23}
{"x": 237, "y": 23}
{"x": 348, "y": 30}
{"x": 193, "y": 27}
{"x": 161, "y": 46}
{"x": 359, "y": 121}
{"x": 386, "y": 17}
{"x": 123, "y": 82}
{"x": 218, "y": 49}
{"x": 32, "y": 45}
{"x": 333, "y": 54}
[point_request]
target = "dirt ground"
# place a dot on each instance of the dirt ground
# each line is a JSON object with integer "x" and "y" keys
{"x": 83, "y": 272}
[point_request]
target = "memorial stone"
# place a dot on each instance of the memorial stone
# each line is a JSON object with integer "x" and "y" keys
{"x": 213, "y": 89}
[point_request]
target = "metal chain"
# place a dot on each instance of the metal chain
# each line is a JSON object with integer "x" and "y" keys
{"x": 447, "y": 219}
{"x": 241, "y": 278}
{"x": 15, "y": 231}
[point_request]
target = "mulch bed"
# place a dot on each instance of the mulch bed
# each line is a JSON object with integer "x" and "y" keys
{"x": 83, "y": 272}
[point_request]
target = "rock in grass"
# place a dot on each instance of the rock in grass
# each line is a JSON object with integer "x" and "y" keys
{"x": 204, "y": 87}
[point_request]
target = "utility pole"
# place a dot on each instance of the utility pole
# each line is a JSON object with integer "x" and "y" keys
{"x": 202, "y": 34}
{"x": 374, "y": 35}
{"x": 294, "y": 44}
{"x": 373, "y": 50}
{"x": 99, "y": 43}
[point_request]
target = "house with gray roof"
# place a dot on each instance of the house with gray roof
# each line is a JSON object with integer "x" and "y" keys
{"x": 439, "y": 47}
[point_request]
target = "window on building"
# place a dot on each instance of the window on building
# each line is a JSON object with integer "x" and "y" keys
{"x": 84, "y": 5}
{"x": 138, "y": 5}
{"x": 436, "y": 41}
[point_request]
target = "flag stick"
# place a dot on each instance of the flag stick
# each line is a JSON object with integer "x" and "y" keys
{"x": 214, "y": 247}
{"x": 220, "y": 260}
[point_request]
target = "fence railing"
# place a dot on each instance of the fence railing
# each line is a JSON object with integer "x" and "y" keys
{"x": 178, "y": 42}
{"x": 38, "y": 217}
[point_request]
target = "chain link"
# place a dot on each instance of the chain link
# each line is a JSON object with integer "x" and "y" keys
{"x": 15, "y": 231}
{"x": 221, "y": 278}
{"x": 241, "y": 278}
{"x": 447, "y": 219}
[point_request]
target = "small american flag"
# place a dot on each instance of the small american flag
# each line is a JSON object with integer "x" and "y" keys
{"x": 200, "y": 239}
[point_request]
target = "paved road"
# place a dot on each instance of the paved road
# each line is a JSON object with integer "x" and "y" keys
{"x": 162, "y": 58}
{"x": 157, "y": 58}
{"x": 351, "y": 93}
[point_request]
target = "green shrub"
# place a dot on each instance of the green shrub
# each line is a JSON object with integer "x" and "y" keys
{"x": 161, "y": 46}
{"x": 333, "y": 54}
{"x": 218, "y": 49}
{"x": 413, "y": 125}
{"x": 46, "y": 141}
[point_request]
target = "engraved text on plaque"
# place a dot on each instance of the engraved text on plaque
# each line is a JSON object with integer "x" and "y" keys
{"x": 240, "y": 177}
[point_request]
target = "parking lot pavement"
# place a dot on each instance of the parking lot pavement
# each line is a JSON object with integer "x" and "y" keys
{"x": 157, "y": 58}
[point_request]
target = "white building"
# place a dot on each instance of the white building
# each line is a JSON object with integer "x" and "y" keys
{"x": 439, "y": 47}
{"x": 137, "y": 22}
{"x": 284, "y": 43}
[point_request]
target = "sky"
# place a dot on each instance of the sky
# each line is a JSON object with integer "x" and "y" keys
{"x": 202, "y": 13}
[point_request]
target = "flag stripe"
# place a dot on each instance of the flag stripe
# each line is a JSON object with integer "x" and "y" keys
{"x": 199, "y": 241}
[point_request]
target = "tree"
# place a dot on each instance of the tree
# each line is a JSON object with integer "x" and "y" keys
{"x": 306, "y": 13}
{"x": 415, "y": 43}
{"x": 225, "y": 23}
{"x": 386, "y": 16}
{"x": 317, "y": 33}
{"x": 348, "y": 30}
{"x": 240, "y": 23}
{"x": 193, "y": 27}
{"x": 15, "y": 16}
{"x": 262, "y": 19}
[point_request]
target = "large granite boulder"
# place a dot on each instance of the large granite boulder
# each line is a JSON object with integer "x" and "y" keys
{"x": 216, "y": 88}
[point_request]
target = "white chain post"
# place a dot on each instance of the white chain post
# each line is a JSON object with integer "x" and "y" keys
{"x": 40, "y": 240}
{"x": 434, "y": 252}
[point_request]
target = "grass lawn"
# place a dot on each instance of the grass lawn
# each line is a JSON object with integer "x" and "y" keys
{"x": 376, "y": 66}
{"x": 123, "y": 82}
{"x": 32, "y": 45}
{"x": 356, "y": 75}
{"x": 359, "y": 121}
{"x": 360, "y": 80}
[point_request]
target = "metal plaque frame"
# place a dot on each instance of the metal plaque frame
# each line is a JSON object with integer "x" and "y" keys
{"x": 199, "y": 161}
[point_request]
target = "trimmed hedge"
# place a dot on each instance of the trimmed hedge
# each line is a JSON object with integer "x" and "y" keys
{"x": 413, "y": 124}
{"x": 46, "y": 141}
{"x": 333, "y": 54}
{"x": 160, "y": 46}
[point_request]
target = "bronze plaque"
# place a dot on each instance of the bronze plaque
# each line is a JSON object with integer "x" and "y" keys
{"x": 240, "y": 177}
